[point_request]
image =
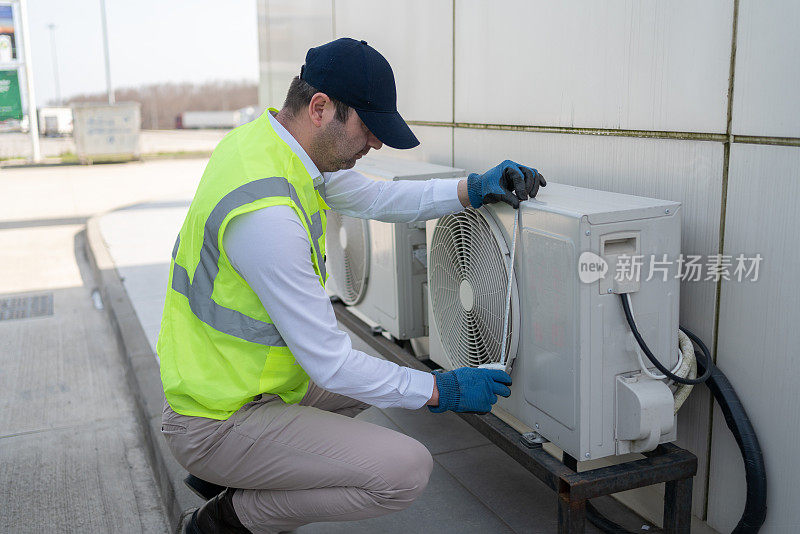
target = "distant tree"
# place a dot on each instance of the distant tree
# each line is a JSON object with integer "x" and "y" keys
{"x": 162, "y": 102}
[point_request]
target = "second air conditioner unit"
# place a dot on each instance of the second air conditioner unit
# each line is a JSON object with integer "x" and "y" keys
{"x": 378, "y": 269}
{"x": 576, "y": 377}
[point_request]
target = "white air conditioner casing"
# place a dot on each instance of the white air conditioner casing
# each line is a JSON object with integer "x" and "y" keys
{"x": 391, "y": 292}
{"x": 570, "y": 338}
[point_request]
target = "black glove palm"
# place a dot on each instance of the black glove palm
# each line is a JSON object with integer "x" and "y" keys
{"x": 508, "y": 182}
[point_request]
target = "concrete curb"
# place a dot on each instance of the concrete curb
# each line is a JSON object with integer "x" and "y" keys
{"x": 143, "y": 376}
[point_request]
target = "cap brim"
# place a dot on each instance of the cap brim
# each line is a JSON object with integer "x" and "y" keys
{"x": 389, "y": 128}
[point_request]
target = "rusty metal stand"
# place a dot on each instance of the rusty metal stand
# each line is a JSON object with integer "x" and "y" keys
{"x": 667, "y": 463}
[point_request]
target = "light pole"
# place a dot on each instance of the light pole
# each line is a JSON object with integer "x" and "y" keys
{"x": 33, "y": 119}
{"x": 105, "y": 50}
{"x": 55, "y": 61}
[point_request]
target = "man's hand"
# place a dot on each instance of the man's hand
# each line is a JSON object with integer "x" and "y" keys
{"x": 508, "y": 182}
{"x": 468, "y": 389}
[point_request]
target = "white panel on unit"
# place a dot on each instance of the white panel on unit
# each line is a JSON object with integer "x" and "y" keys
{"x": 379, "y": 269}
{"x": 577, "y": 378}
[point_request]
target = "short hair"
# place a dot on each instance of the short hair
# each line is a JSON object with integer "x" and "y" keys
{"x": 299, "y": 96}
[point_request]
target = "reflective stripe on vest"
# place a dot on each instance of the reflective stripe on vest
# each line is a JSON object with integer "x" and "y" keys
{"x": 198, "y": 292}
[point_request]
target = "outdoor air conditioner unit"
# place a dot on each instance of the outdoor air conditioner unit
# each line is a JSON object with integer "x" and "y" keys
{"x": 576, "y": 377}
{"x": 379, "y": 269}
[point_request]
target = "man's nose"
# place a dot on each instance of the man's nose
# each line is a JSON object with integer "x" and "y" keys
{"x": 374, "y": 142}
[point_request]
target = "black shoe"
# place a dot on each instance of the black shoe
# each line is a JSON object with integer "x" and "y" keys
{"x": 201, "y": 488}
{"x": 216, "y": 516}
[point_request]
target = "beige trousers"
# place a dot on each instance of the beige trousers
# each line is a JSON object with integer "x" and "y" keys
{"x": 301, "y": 463}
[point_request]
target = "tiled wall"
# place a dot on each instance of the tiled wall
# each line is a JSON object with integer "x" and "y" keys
{"x": 767, "y": 79}
{"x": 622, "y": 65}
{"x": 630, "y": 97}
{"x": 287, "y": 29}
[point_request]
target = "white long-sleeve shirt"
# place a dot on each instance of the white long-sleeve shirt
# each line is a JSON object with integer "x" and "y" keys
{"x": 270, "y": 250}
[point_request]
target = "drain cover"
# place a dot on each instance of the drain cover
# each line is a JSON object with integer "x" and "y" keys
{"x": 26, "y": 307}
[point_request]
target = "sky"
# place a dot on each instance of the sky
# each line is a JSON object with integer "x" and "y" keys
{"x": 150, "y": 41}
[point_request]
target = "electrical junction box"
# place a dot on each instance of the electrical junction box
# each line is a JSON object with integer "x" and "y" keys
{"x": 576, "y": 376}
{"x": 377, "y": 268}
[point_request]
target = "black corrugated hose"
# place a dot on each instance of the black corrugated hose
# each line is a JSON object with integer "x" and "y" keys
{"x": 755, "y": 508}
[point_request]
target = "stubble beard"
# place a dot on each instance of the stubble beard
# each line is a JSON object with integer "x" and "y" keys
{"x": 328, "y": 146}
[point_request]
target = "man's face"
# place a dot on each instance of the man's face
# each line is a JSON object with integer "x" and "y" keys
{"x": 338, "y": 145}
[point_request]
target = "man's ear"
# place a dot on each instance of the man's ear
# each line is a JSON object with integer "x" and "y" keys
{"x": 316, "y": 108}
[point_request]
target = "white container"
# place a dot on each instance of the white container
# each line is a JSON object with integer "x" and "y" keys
{"x": 106, "y": 132}
{"x": 55, "y": 121}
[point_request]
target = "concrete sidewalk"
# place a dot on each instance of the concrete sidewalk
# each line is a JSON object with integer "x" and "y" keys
{"x": 73, "y": 457}
{"x": 475, "y": 487}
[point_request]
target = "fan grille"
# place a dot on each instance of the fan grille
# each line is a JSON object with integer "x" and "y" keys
{"x": 468, "y": 280}
{"x": 348, "y": 255}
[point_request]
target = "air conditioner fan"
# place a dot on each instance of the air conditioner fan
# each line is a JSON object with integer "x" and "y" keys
{"x": 467, "y": 280}
{"x": 348, "y": 255}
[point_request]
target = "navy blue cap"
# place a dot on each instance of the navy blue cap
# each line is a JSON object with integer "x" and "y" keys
{"x": 356, "y": 74}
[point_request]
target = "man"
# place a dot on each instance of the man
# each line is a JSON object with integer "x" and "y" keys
{"x": 257, "y": 376}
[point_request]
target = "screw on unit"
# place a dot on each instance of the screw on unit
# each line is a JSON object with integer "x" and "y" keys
{"x": 610, "y": 290}
{"x": 532, "y": 439}
{"x": 588, "y": 232}
{"x": 666, "y": 211}
{"x": 587, "y": 455}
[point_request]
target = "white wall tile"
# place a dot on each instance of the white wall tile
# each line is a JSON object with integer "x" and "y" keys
{"x": 759, "y": 335}
{"x": 293, "y": 26}
{"x": 264, "y": 98}
{"x": 416, "y": 37}
{"x": 602, "y": 64}
{"x": 767, "y": 77}
{"x": 686, "y": 171}
{"x": 435, "y": 146}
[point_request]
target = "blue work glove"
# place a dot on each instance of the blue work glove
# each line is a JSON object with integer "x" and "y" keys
{"x": 509, "y": 182}
{"x": 468, "y": 389}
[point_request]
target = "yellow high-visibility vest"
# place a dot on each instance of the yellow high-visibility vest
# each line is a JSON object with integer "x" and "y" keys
{"x": 218, "y": 346}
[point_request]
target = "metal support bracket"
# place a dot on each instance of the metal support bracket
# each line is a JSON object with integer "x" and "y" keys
{"x": 667, "y": 463}
{"x": 532, "y": 439}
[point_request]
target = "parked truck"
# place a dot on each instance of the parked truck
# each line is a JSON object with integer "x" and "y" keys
{"x": 207, "y": 119}
{"x": 215, "y": 119}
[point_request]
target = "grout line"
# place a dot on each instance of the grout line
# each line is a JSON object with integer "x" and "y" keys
{"x": 453, "y": 95}
{"x": 462, "y": 449}
{"x": 610, "y": 132}
{"x": 765, "y": 140}
{"x": 404, "y": 431}
{"x": 580, "y": 131}
{"x": 333, "y": 18}
{"x": 268, "y": 52}
{"x": 721, "y": 247}
{"x": 723, "y": 211}
{"x": 476, "y": 496}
